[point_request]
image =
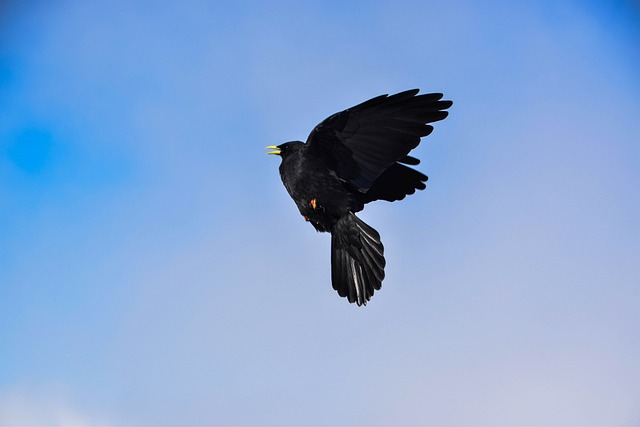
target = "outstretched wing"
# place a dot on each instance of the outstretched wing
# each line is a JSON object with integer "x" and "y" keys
{"x": 361, "y": 142}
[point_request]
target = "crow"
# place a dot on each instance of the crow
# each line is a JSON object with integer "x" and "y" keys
{"x": 352, "y": 158}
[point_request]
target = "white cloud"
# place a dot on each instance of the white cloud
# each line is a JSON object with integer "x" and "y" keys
{"x": 26, "y": 406}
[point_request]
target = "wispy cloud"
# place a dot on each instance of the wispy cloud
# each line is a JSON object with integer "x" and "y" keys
{"x": 26, "y": 406}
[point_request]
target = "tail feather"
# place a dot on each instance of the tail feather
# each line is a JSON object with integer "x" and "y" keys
{"x": 357, "y": 259}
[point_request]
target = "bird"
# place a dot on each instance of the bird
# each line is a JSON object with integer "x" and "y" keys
{"x": 352, "y": 158}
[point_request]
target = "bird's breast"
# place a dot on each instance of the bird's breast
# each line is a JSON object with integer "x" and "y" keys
{"x": 319, "y": 193}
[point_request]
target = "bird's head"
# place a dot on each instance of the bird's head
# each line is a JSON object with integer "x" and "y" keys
{"x": 285, "y": 149}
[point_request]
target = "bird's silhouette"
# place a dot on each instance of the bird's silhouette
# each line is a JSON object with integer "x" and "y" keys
{"x": 354, "y": 157}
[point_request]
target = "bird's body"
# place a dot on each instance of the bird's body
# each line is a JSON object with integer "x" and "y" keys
{"x": 308, "y": 178}
{"x": 350, "y": 159}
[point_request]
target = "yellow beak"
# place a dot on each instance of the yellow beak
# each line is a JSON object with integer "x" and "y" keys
{"x": 275, "y": 149}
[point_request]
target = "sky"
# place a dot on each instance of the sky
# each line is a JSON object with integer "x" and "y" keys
{"x": 154, "y": 272}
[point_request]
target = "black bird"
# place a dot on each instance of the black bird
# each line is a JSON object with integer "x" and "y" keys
{"x": 354, "y": 157}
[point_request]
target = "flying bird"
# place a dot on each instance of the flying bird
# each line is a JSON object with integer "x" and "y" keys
{"x": 352, "y": 158}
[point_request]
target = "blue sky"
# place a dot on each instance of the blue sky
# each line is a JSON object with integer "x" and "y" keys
{"x": 153, "y": 270}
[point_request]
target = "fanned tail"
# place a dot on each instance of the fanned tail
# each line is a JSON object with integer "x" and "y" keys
{"x": 357, "y": 259}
